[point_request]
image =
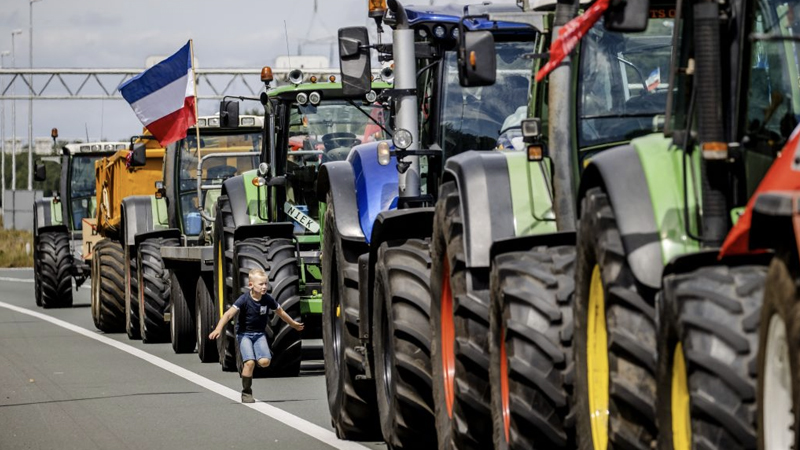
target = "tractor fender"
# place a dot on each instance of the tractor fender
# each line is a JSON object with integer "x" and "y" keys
{"x": 234, "y": 188}
{"x": 414, "y": 223}
{"x": 771, "y": 225}
{"x": 137, "y": 217}
{"x": 337, "y": 178}
{"x": 43, "y": 215}
{"x": 620, "y": 173}
{"x": 487, "y": 212}
{"x": 273, "y": 230}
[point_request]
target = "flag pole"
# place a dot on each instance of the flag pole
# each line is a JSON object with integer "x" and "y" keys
{"x": 196, "y": 101}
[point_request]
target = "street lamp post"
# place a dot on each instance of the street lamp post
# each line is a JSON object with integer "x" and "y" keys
{"x": 14, "y": 117}
{"x": 30, "y": 99}
{"x": 3, "y": 54}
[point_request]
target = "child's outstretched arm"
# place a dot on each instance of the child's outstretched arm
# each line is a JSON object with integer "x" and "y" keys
{"x": 292, "y": 323}
{"x": 227, "y": 317}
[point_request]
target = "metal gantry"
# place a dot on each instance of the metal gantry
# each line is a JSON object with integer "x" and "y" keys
{"x": 76, "y": 84}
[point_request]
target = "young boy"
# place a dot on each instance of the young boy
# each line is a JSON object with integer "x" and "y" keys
{"x": 254, "y": 306}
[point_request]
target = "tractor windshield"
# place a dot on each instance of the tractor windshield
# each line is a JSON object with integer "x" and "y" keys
{"x": 331, "y": 127}
{"x": 623, "y": 82}
{"x": 473, "y": 117}
{"x": 216, "y": 169}
{"x": 83, "y": 199}
{"x": 322, "y": 133}
{"x": 773, "y": 94}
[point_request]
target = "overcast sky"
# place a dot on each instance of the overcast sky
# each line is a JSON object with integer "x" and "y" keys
{"x": 122, "y": 34}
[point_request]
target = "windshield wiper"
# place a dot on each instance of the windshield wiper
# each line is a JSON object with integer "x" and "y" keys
{"x": 369, "y": 117}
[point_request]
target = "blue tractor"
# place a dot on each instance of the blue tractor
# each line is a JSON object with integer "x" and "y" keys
{"x": 378, "y": 222}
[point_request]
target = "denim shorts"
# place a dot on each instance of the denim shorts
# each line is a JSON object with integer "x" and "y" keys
{"x": 253, "y": 346}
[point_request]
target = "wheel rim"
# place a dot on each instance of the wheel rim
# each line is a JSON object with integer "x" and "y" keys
{"x": 504, "y": 385}
{"x": 679, "y": 403}
{"x": 776, "y": 403}
{"x": 448, "y": 339}
{"x": 597, "y": 362}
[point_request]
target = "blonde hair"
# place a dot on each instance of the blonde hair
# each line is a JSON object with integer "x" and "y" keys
{"x": 257, "y": 273}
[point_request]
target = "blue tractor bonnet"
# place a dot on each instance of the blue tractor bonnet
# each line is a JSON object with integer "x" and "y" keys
{"x": 376, "y": 185}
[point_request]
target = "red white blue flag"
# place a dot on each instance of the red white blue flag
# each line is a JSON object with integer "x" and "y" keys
{"x": 163, "y": 97}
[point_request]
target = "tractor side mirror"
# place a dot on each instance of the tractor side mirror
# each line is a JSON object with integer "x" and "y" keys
{"x": 277, "y": 181}
{"x": 354, "y": 61}
{"x": 139, "y": 157}
{"x": 477, "y": 62}
{"x": 228, "y": 114}
{"x": 627, "y": 15}
{"x": 39, "y": 172}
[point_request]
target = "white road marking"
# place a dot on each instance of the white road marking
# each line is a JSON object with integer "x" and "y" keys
{"x": 18, "y": 280}
{"x": 325, "y": 436}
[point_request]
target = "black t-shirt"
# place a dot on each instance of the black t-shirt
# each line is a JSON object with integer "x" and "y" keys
{"x": 253, "y": 315}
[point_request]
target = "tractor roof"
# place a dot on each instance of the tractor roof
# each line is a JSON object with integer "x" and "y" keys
{"x": 94, "y": 147}
{"x": 332, "y": 90}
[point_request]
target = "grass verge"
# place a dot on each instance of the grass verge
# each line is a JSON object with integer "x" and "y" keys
{"x": 16, "y": 249}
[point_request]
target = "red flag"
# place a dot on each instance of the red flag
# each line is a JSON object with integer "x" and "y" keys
{"x": 570, "y": 34}
{"x": 780, "y": 177}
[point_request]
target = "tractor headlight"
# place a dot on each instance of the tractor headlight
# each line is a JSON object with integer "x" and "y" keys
{"x": 439, "y": 31}
{"x": 402, "y": 139}
{"x": 302, "y": 98}
{"x": 314, "y": 98}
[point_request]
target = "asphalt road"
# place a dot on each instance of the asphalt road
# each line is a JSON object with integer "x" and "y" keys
{"x": 66, "y": 385}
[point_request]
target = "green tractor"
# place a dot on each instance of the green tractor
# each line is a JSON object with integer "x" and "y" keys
{"x": 269, "y": 218}
{"x": 503, "y": 252}
{"x": 665, "y": 330}
{"x": 59, "y": 253}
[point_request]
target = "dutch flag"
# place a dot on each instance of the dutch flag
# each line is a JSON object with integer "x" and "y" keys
{"x": 163, "y": 97}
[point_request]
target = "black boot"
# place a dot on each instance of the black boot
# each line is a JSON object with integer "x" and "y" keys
{"x": 247, "y": 391}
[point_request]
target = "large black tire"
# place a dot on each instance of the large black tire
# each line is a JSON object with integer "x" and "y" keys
{"x": 460, "y": 328}
{"x": 625, "y": 316}
{"x": 223, "y": 281}
{"x": 530, "y": 348}
{"x": 182, "y": 330}
{"x": 402, "y": 342}
{"x": 778, "y": 394}
{"x": 708, "y": 324}
{"x": 108, "y": 276}
{"x": 206, "y": 318}
{"x": 352, "y": 403}
{"x": 131, "y": 294}
{"x": 278, "y": 258}
{"x": 154, "y": 290}
{"x": 53, "y": 270}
